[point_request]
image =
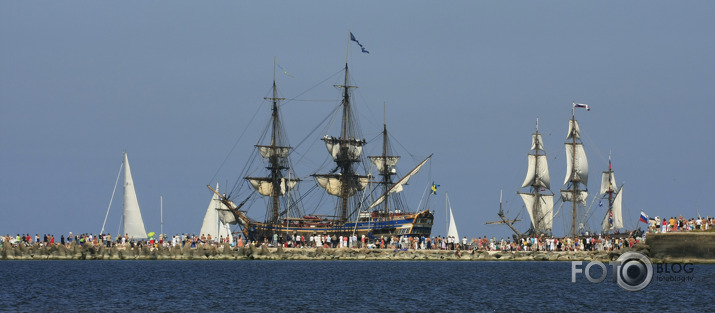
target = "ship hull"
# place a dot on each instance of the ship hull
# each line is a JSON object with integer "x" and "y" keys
{"x": 410, "y": 224}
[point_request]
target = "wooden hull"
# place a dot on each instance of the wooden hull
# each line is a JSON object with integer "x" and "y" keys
{"x": 408, "y": 224}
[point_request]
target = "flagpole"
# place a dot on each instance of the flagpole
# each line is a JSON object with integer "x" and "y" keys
{"x": 161, "y": 213}
{"x": 347, "y": 51}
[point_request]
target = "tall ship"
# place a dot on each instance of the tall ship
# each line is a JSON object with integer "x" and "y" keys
{"x": 364, "y": 204}
{"x": 575, "y": 188}
{"x": 613, "y": 196}
{"x": 538, "y": 199}
{"x": 537, "y": 196}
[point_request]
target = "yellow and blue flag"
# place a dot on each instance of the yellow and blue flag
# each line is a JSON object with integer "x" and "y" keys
{"x": 434, "y": 188}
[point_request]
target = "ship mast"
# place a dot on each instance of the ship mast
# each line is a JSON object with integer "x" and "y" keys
{"x": 574, "y": 185}
{"x": 275, "y": 166}
{"x": 577, "y": 170}
{"x": 276, "y": 153}
{"x": 346, "y": 150}
{"x": 539, "y": 205}
{"x": 385, "y": 164}
{"x": 609, "y": 189}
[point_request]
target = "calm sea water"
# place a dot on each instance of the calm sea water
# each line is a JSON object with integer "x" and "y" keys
{"x": 332, "y": 286}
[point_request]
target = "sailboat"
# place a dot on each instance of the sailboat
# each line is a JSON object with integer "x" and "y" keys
{"x": 354, "y": 213}
{"x": 613, "y": 219}
{"x": 575, "y": 188}
{"x": 452, "y": 229}
{"x": 538, "y": 204}
{"x": 133, "y": 222}
{"x": 212, "y": 225}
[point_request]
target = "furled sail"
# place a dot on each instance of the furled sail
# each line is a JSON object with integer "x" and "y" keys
{"x": 333, "y": 186}
{"x": 537, "y": 173}
{"x": 567, "y": 196}
{"x": 614, "y": 217}
{"x": 398, "y": 186}
{"x": 226, "y": 216}
{"x": 576, "y": 166}
{"x": 133, "y": 223}
{"x": 269, "y": 151}
{"x": 264, "y": 185}
{"x": 354, "y": 147}
{"x": 384, "y": 163}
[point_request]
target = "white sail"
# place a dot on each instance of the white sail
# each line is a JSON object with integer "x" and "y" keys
{"x": 618, "y": 209}
{"x": 398, "y": 186}
{"x": 574, "y": 130}
{"x": 212, "y": 224}
{"x": 354, "y": 147}
{"x": 578, "y": 171}
{"x": 225, "y": 215}
{"x": 133, "y": 223}
{"x": 608, "y": 182}
{"x": 537, "y": 173}
{"x": 547, "y": 208}
{"x": 536, "y": 143}
{"x": 333, "y": 185}
{"x": 567, "y": 196}
{"x": 383, "y": 163}
{"x": 614, "y": 219}
{"x": 541, "y": 213}
{"x": 529, "y": 204}
{"x": 452, "y": 232}
{"x": 268, "y": 151}
{"x": 265, "y": 187}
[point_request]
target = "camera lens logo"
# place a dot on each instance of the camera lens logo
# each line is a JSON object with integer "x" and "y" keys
{"x": 633, "y": 271}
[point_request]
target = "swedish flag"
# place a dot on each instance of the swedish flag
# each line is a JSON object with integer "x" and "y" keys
{"x": 434, "y": 188}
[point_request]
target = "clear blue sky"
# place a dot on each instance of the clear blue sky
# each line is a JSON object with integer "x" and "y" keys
{"x": 176, "y": 83}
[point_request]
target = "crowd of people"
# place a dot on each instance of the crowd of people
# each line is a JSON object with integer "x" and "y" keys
{"x": 679, "y": 224}
{"x": 236, "y": 240}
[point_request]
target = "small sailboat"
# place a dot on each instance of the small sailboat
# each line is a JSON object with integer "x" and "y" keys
{"x": 133, "y": 224}
{"x": 452, "y": 229}
{"x": 212, "y": 225}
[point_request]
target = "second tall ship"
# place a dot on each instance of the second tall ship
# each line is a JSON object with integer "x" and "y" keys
{"x": 366, "y": 205}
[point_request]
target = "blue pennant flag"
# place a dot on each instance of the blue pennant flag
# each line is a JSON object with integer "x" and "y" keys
{"x": 352, "y": 37}
{"x": 284, "y": 71}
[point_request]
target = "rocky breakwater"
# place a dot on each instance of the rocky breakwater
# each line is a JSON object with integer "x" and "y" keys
{"x": 225, "y": 252}
{"x": 682, "y": 247}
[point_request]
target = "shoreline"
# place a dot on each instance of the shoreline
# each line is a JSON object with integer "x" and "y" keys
{"x": 697, "y": 248}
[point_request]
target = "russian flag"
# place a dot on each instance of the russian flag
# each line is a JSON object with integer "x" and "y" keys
{"x": 644, "y": 218}
{"x": 581, "y": 105}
